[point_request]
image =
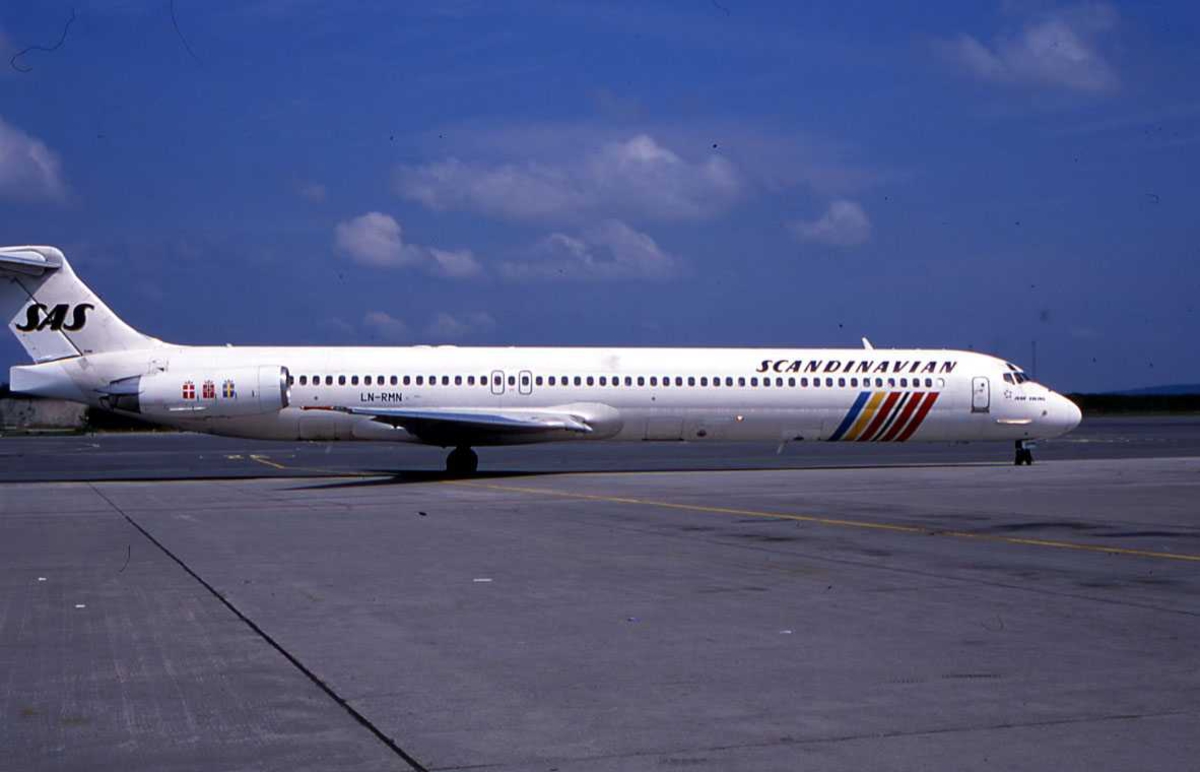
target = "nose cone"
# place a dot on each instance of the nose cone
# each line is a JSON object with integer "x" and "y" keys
{"x": 1066, "y": 414}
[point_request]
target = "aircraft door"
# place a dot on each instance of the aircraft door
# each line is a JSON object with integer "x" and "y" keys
{"x": 981, "y": 395}
{"x": 525, "y": 382}
{"x": 497, "y": 382}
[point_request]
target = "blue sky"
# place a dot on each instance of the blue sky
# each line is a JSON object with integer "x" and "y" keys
{"x": 701, "y": 173}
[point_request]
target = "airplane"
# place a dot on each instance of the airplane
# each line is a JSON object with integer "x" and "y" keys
{"x": 467, "y": 397}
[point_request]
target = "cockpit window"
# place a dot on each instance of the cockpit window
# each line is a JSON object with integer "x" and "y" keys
{"x": 1008, "y": 378}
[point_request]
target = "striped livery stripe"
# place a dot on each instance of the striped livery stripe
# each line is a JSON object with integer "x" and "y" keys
{"x": 848, "y": 421}
{"x": 898, "y": 425}
{"x": 865, "y": 417}
{"x": 922, "y": 411}
{"x": 891, "y": 420}
{"x": 884, "y": 416}
{"x": 880, "y": 417}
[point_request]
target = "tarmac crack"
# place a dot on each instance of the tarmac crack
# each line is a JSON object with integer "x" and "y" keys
{"x": 308, "y": 673}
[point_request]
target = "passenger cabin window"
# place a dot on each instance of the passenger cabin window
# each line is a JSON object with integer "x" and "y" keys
{"x": 341, "y": 380}
{"x": 653, "y": 380}
{"x": 458, "y": 380}
{"x": 420, "y": 380}
{"x": 367, "y": 381}
{"x": 395, "y": 380}
{"x": 303, "y": 380}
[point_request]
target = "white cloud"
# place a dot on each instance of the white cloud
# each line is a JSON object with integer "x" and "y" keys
{"x": 637, "y": 175}
{"x": 1059, "y": 50}
{"x": 386, "y": 326}
{"x": 458, "y": 264}
{"x": 313, "y": 191}
{"x": 444, "y": 327}
{"x": 376, "y": 239}
{"x": 449, "y": 327}
{"x": 610, "y": 250}
{"x": 844, "y": 224}
{"x": 29, "y": 171}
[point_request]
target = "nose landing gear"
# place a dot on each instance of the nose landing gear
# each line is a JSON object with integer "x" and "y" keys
{"x": 1024, "y": 453}
{"x": 462, "y": 461}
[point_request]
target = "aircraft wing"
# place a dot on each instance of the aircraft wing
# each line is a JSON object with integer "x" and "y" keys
{"x": 451, "y": 426}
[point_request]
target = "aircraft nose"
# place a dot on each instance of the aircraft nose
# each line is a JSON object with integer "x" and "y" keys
{"x": 1068, "y": 413}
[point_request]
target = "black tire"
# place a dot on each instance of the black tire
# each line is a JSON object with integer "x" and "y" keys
{"x": 462, "y": 461}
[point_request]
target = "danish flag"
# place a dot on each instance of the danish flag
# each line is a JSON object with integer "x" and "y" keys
{"x": 209, "y": 390}
{"x": 189, "y": 390}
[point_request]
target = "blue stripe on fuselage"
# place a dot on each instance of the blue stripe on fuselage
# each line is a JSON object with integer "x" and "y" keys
{"x": 848, "y": 421}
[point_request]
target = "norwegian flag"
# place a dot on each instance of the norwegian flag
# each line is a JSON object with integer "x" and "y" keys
{"x": 189, "y": 390}
{"x": 209, "y": 390}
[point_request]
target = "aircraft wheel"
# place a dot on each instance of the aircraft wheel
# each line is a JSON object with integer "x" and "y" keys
{"x": 1024, "y": 456}
{"x": 462, "y": 461}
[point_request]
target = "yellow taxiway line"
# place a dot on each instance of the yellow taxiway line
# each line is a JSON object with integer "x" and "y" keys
{"x": 840, "y": 523}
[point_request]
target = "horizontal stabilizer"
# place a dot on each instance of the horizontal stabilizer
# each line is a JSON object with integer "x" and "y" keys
{"x": 28, "y": 261}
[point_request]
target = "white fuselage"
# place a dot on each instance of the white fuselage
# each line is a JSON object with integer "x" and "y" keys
{"x": 692, "y": 394}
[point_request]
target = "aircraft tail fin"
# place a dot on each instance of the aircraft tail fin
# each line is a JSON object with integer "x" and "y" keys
{"x": 53, "y": 314}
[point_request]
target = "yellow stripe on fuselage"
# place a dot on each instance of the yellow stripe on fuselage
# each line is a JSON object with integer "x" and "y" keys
{"x": 867, "y": 413}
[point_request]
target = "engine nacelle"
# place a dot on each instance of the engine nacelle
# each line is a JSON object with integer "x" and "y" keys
{"x": 207, "y": 393}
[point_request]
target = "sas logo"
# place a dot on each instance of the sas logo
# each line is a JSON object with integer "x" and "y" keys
{"x": 40, "y": 317}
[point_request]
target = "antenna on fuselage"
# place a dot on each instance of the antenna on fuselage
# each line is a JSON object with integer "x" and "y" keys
{"x": 867, "y": 344}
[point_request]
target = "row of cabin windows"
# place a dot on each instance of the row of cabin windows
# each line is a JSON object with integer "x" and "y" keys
{"x": 616, "y": 380}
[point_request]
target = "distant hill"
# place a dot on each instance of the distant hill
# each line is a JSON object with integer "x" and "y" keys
{"x": 1150, "y": 391}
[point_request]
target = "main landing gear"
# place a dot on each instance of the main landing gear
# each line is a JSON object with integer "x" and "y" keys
{"x": 462, "y": 461}
{"x": 1024, "y": 453}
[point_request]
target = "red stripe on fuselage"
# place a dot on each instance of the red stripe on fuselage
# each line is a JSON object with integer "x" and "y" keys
{"x": 880, "y": 417}
{"x": 922, "y": 411}
{"x": 909, "y": 407}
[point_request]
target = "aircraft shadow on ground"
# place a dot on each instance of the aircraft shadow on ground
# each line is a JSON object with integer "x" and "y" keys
{"x": 385, "y": 477}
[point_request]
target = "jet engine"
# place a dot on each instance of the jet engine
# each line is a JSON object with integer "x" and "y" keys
{"x": 203, "y": 393}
